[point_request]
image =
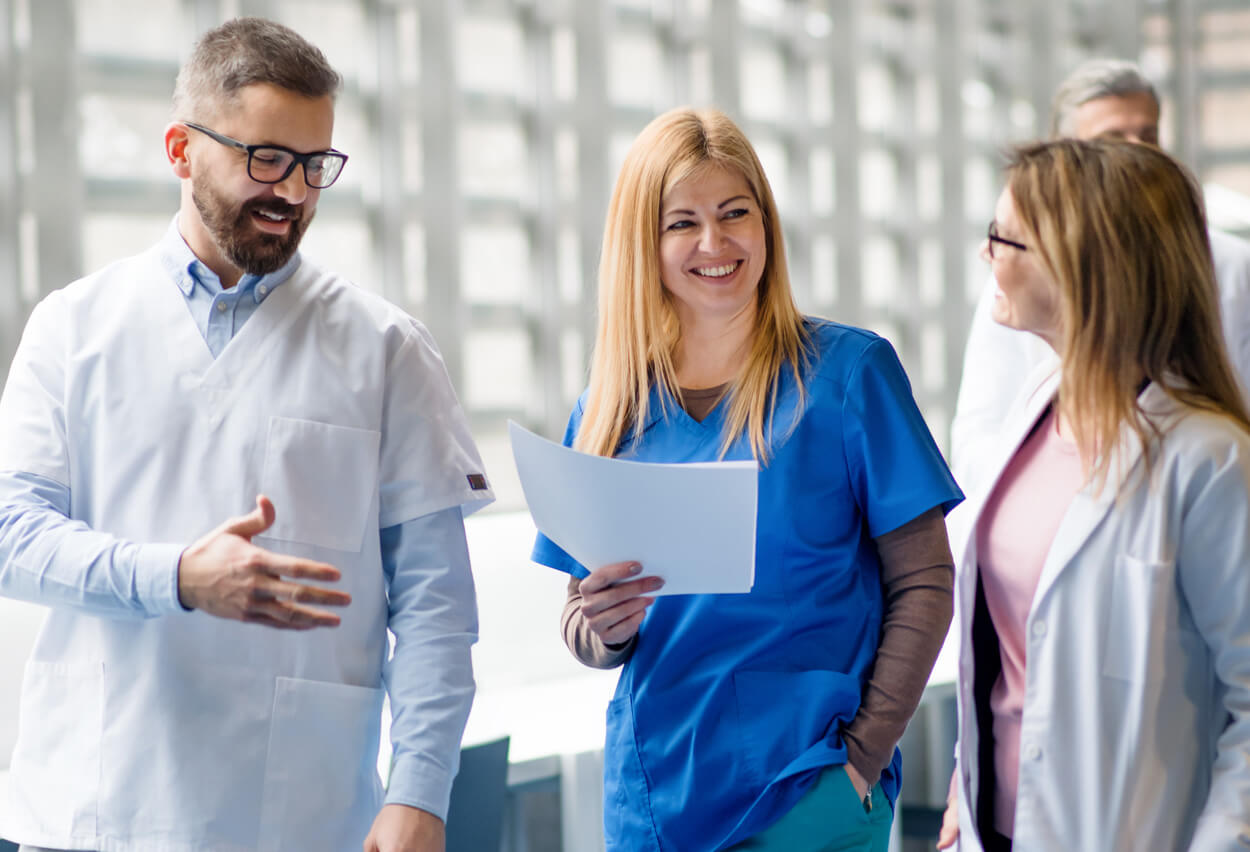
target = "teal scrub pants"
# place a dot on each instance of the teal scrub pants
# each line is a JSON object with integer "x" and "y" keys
{"x": 829, "y": 818}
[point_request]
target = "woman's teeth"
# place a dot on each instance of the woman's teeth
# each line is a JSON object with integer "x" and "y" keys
{"x": 717, "y": 271}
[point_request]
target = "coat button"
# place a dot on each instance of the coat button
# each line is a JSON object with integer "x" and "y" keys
{"x": 1033, "y": 752}
{"x": 1039, "y": 628}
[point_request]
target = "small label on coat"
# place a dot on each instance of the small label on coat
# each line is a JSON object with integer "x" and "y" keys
{"x": 477, "y": 481}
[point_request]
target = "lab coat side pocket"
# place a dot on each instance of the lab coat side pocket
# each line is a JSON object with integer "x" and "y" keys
{"x": 322, "y": 789}
{"x": 55, "y": 780}
{"x": 1138, "y": 618}
{"x": 322, "y": 479}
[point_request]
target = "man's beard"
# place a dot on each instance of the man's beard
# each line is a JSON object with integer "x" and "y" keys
{"x": 249, "y": 249}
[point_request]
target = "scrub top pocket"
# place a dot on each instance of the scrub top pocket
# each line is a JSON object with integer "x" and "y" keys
{"x": 786, "y": 715}
{"x": 322, "y": 479}
{"x": 57, "y": 760}
{"x": 323, "y": 752}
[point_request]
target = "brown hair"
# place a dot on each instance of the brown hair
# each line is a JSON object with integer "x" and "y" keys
{"x": 244, "y": 52}
{"x": 638, "y": 328}
{"x": 1121, "y": 229}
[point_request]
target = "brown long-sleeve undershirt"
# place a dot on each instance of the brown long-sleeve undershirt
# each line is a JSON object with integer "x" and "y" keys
{"x": 916, "y": 578}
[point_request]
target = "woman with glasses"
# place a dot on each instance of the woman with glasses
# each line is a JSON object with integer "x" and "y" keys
{"x": 1103, "y": 576}
{"x": 767, "y": 720}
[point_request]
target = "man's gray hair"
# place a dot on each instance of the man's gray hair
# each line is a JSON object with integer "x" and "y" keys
{"x": 244, "y": 52}
{"x": 1094, "y": 79}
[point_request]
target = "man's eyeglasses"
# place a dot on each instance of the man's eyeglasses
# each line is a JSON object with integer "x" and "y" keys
{"x": 992, "y": 236}
{"x": 273, "y": 163}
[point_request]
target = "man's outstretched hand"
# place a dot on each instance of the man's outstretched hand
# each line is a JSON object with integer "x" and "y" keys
{"x": 225, "y": 575}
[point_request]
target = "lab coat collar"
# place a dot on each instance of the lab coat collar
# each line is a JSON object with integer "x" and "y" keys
{"x": 1090, "y": 505}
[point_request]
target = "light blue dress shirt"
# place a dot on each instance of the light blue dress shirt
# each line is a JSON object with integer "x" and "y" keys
{"x": 219, "y": 313}
{"x": 50, "y": 559}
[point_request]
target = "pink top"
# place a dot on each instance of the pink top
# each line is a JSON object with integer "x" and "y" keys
{"x": 1014, "y": 535}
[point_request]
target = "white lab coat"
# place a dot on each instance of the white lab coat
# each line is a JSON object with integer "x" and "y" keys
{"x": 1136, "y": 726}
{"x": 186, "y": 732}
{"x": 997, "y": 359}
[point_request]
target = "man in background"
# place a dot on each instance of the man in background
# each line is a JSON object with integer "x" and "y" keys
{"x": 1101, "y": 98}
{"x": 195, "y": 689}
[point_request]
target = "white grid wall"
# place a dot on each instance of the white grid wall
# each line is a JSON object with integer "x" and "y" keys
{"x": 485, "y": 136}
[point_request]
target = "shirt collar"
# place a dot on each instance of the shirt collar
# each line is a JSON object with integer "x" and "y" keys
{"x": 187, "y": 270}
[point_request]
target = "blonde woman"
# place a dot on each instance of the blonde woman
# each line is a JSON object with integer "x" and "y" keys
{"x": 1102, "y": 591}
{"x": 766, "y": 720}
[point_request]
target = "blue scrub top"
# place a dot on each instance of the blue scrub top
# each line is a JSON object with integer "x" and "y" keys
{"x": 730, "y": 705}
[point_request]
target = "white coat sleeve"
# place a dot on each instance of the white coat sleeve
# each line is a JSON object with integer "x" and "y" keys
{"x": 997, "y": 360}
{"x": 45, "y": 556}
{"x": 1213, "y": 566}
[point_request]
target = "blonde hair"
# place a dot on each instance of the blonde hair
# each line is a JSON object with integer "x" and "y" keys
{"x": 638, "y": 329}
{"x": 1121, "y": 229}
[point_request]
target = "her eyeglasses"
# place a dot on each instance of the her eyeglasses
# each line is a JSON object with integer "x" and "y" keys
{"x": 273, "y": 163}
{"x": 991, "y": 235}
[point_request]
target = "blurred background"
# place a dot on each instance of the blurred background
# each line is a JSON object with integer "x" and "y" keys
{"x": 484, "y": 138}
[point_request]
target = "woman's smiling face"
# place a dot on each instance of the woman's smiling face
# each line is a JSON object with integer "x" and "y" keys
{"x": 713, "y": 246}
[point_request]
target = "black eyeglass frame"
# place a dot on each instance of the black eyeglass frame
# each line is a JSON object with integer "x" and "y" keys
{"x": 991, "y": 236}
{"x": 297, "y": 159}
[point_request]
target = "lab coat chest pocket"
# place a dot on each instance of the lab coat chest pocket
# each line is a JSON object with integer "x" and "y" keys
{"x": 1142, "y": 606}
{"x": 321, "y": 768}
{"x": 56, "y": 764}
{"x": 322, "y": 479}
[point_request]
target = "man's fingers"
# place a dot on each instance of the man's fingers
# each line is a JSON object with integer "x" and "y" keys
{"x": 254, "y": 522}
{"x": 297, "y": 593}
{"x": 294, "y": 566}
{"x": 290, "y": 616}
{"x": 270, "y": 621}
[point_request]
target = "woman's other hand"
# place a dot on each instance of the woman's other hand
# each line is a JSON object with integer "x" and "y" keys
{"x": 948, "y": 835}
{"x": 859, "y": 782}
{"x": 613, "y": 603}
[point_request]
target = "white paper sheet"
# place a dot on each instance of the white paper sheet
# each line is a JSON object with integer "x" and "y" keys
{"x": 692, "y": 524}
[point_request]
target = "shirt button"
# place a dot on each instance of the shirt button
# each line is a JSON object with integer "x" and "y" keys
{"x": 263, "y": 290}
{"x": 221, "y": 307}
{"x": 1039, "y": 628}
{"x": 1033, "y": 752}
